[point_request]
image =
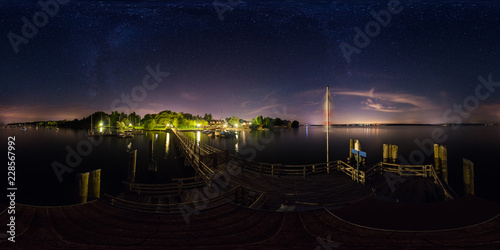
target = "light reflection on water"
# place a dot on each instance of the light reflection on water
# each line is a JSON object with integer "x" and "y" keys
{"x": 37, "y": 149}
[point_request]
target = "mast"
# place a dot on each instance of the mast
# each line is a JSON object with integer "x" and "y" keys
{"x": 327, "y": 123}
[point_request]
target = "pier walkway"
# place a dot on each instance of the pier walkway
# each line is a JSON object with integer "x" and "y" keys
{"x": 98, "y": 225}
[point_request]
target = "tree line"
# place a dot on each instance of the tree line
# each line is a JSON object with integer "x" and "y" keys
{"x": 163, "y": 119}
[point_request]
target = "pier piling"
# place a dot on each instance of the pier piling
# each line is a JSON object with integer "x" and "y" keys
{"x": 394, "y": 153}
{"x": 132, "y": 162}
{"x": 385, "y": 148}
{"x": 437, "y": 159}
{"x": 83, "y": 187}
{"x": 351, "y": 155}
{"x": 468, "y": 167}
{"x": 95, "y": 184}
{"x": 443, "y": 155}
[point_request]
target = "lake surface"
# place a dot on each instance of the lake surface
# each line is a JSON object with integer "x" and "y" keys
{"x": 37, "y": 150}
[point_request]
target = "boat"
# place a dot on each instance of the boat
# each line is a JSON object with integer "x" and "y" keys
{"x": 23, "y": 129}
{"x": 121, "y": 135}
{"x": 129, "y": 135}
{"x": 217, "y": 133}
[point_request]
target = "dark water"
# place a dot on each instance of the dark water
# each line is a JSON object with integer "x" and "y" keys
{"x": 36, "y": 150}
{"x": 307, "y": 145}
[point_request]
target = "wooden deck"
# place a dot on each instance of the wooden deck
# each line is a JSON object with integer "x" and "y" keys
{"x": 98, "y": 225}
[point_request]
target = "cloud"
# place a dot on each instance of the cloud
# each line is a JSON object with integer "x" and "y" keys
{"x": 486, "y": 112}
{"x": 391, "y": 102}
{"x": 310, "y": 103}
{"x": 260, "y": 110}
{"x": 245, "y": 103}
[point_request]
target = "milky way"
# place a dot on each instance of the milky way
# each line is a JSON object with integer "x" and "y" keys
{"x": 249, "y": 58}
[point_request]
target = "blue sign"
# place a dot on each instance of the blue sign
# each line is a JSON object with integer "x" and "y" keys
{"x": 361, "y": 153}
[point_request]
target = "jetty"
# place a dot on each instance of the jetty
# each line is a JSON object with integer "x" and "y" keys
{"x": 235, "y": 203}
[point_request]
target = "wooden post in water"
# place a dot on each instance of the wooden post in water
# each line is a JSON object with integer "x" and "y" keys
{"x": 83, "y": 187}
{"x": 394, "y": 153}
{"x": 385, "y": 149}
{"x": 468, "y": 176}
{"x": 95, "y": 184}
{"x": 132, "y": 161}
{"x": 443, "y": 154}
{"x": 437, "y": 159}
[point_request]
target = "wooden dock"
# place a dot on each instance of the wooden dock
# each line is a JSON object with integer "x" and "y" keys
{"x": 98, "y": 225}
{"x": 238, "y": 204}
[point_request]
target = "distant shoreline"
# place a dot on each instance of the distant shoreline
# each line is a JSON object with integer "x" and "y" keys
{"x": 407, "y": 124}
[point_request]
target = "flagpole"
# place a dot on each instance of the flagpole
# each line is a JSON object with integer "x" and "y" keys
{"x": 327, "y": 124}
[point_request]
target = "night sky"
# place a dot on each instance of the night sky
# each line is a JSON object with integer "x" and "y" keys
{"x": 270, "y": 58}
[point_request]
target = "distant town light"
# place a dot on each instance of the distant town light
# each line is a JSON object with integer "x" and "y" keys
{"x": 130, "y": 125}
{"x": 197, "y": 125}
{"x": 100, "y": 124}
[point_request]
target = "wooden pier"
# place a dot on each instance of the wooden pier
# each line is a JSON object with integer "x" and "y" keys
{"x": 221, "y": 177}
{"x": 262, "y": 206}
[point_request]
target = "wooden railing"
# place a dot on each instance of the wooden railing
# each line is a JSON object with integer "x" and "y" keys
{"x": 163, "y": 189}
{"x": 219, "y": 200}
{"x": 352, "y": 172}
{"x": 259, "y": 201}
{"x": 407, "y": 170}
{"x": 200, "y": 156}
{"x": 448, "y": 192}
{"x": 418, "y": 170}
{"x": 203, "y": 158}
{"x": 298, "y": 170}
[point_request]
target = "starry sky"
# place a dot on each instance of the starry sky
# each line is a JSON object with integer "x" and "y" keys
{"x": 249, "y": 58}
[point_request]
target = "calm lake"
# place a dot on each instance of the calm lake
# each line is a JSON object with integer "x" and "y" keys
{"x": 37, "y": 150}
